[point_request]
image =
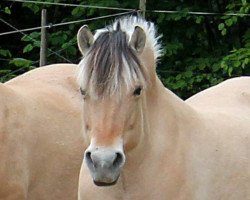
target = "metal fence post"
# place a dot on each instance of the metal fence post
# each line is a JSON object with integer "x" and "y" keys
{"x": 43, "y": 46}
{"x": 142, "y": 7}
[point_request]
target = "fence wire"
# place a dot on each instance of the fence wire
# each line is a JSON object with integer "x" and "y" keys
{"x": 72, "y": 5}
{"x": 51, "y": 51}
{"x": 50, "y": 25}
{"x": 129, "y": 11}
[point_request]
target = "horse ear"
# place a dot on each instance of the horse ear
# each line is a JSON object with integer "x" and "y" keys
{"x": 84, "y": 39}
{"x": 138, "y": 39}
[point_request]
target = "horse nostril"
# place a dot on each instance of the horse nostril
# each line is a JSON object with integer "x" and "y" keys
{"x": 118, "y": 160}
{"x": 88, "y": 158}
{"x": 88, "y": 155}
{"x": 104, "y": 159}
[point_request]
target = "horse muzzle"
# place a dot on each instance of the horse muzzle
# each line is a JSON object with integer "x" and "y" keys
{"x": 104, "y": 164}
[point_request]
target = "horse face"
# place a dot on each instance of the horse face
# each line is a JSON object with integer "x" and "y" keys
{"x": 112, "y": 128}
{"x": 112, "y": 75}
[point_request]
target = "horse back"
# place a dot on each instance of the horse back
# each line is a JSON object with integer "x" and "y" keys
{"x": 232, "y": 94}
{"x": 220, "y": 142}
{"x": 42, "y": 132}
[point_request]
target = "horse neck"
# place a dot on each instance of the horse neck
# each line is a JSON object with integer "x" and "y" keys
{"x": 164, "y": 142}
{"x": 163, "y": 108}
{"x": 165, "y": 119}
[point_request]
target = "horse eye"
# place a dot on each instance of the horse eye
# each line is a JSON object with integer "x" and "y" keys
{"x": 137, "y": 91}
{"x": 83, "y": 92}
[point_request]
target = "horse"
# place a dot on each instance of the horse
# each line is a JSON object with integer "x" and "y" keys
{"x": 143, "y": 141}
{"x": 40, "y": 135}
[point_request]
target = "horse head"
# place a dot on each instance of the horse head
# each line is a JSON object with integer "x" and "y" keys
{"x": 113, "y": 77}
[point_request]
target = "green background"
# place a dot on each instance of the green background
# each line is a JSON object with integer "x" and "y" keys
{"x": 199, "y": 50}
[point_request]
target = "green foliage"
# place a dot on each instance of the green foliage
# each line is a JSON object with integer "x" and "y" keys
{"x": 18, "y": 65}
{"x": 32, "y": 42}
{"x": 33, "y": 7}
{"x": 199, "y": 50}
{"x": 21, "y": 62}
{"x": 230, "y": 20}
{"x": 5, "y": 53}
{"x": 7, "y": 10}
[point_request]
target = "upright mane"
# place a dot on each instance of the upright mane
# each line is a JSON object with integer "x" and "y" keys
{"x": 111, "y": 63}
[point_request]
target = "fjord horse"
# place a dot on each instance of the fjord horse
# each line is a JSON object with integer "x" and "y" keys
{"x": 146, "y": 143}
{"x": 40, "y": 135}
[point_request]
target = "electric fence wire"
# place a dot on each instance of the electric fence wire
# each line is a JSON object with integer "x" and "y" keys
{"x": 5, "y": 59}
{"x": 32, "y": 39}
{"x": 115, "y": 8}
{"x": 62, "y": 49}
{"x": 50, "y": 25}
{"x": 96, "y": 18}
{"x": 71, "y": 5}
{"x": 55, "y": 52}
{"x": 199, "y": 13}
{"x": 73, "y": 43}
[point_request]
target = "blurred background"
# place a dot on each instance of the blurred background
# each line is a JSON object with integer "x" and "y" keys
{"x": 204, "y": 42}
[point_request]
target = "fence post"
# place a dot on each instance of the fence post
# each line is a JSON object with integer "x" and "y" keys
{"x": 43, "y": 46}
{"x": 142, "y": 7}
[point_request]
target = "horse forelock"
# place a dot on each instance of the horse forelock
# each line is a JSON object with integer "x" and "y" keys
{"x": 111, "y": 63}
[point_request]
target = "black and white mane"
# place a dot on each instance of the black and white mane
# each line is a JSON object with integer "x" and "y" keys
{"x": 111, "y": 63}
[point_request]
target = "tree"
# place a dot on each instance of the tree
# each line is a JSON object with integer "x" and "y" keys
{"x": 199, "y": 50}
